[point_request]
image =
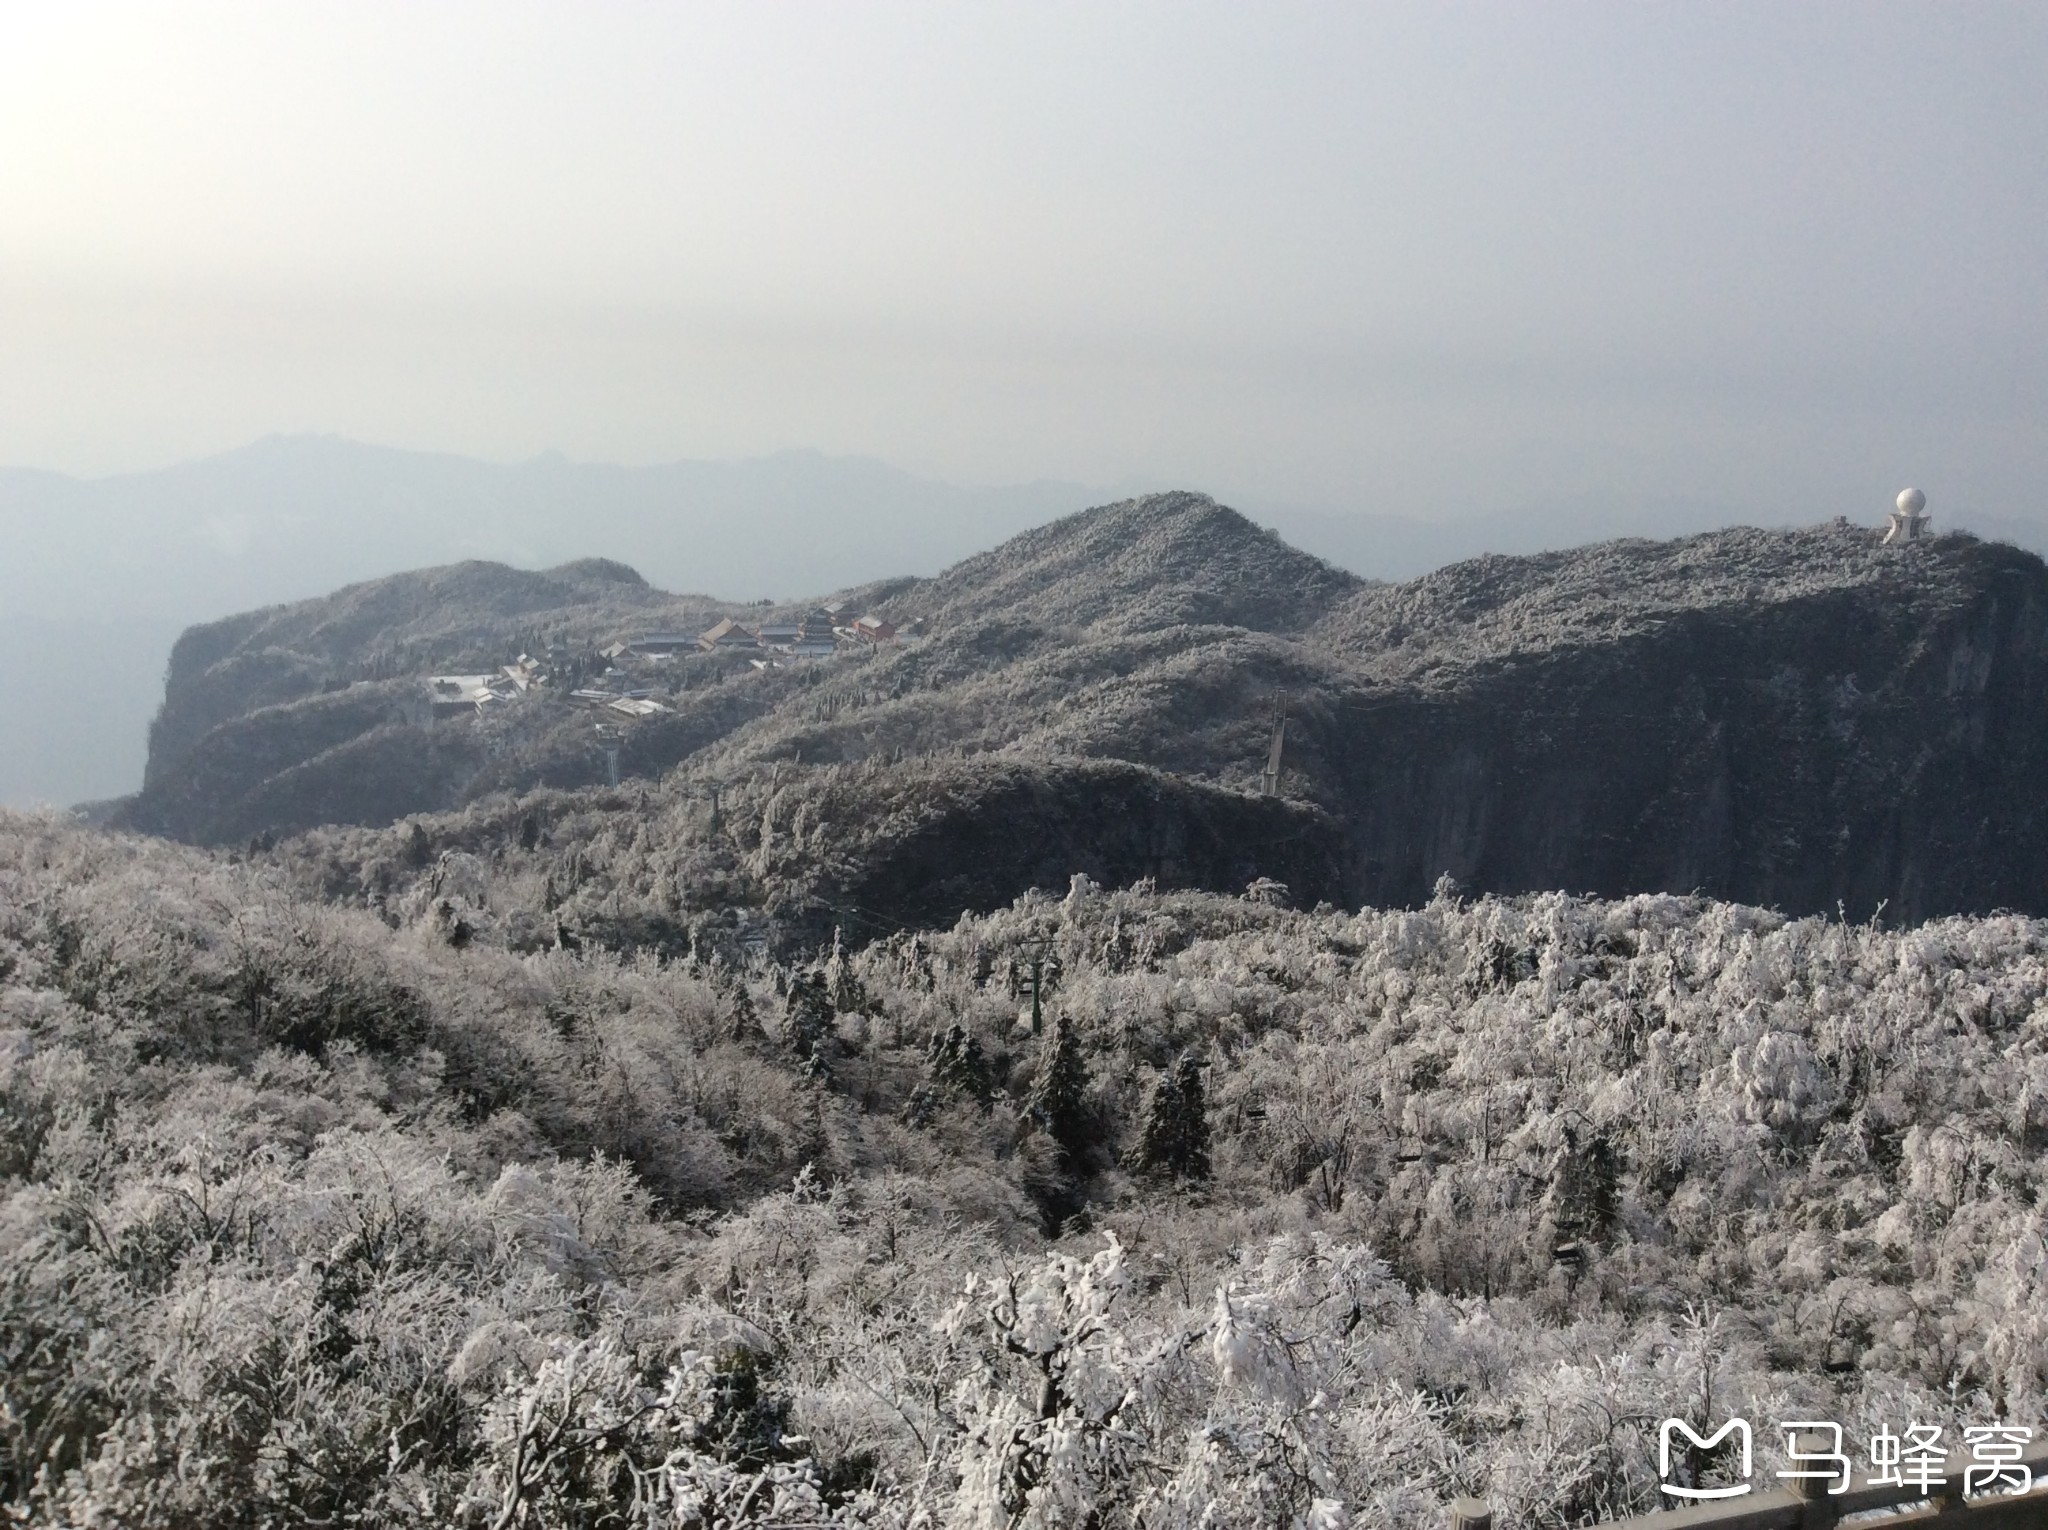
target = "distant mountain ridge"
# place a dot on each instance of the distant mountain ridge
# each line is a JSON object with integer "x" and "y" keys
{"x": 1795, "y": 718}
{"x": 291, "y": 516}
{"x": 102, "y": 574}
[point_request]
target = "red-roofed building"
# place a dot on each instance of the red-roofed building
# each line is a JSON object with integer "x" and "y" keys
{"x": 875, "y": 629}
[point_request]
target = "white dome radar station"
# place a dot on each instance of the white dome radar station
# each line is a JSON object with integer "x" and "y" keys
{"x": 1909, "y": 521}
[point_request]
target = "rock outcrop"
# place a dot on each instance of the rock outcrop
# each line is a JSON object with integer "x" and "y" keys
{"x": 1804, "y": 720}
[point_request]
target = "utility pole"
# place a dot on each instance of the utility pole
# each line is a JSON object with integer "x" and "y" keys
{"x": 1269, "y": 783}
{"x": 1036, "y": 947}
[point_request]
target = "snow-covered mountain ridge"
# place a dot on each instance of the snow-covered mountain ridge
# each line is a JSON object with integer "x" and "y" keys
{"x": 1803, "y": 719}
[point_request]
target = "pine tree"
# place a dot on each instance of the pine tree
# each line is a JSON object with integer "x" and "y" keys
{"x": 807, "y": 1026}
{"x": 748, "y": 1422}
{"x": 1175, "y": 1140}
{"x": 849, "y": 994}
{"x": 745, "y": 1023}
{"x": 921, "y": 1107}
{"x": 1058, "y": 1099}
{"x": 1584, "y": 1189}
{"x": 954, "y": 1060}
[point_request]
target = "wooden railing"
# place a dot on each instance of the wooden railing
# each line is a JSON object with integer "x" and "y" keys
{"x": 1807, "y": 1505}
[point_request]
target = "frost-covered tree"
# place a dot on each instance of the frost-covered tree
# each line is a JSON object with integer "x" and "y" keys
{"x": 1175, "y": 1137}
{"x": 953, "y": 1059}
{"x": 808, "y": 1025}
{"x": 308, "y": 1216}
{"x": 1058, "y": 1101}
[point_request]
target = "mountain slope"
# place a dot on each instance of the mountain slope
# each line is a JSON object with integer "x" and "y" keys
{"x": 1164, "y": 560}
{"x": 1488, "y": 608}
{"x": 1081, "y": 619}
{"x": 1804, "y": 718}
{"x": 471, "y": 614}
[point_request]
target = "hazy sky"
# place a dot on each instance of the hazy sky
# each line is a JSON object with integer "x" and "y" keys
{"x": 1415, "y": 258}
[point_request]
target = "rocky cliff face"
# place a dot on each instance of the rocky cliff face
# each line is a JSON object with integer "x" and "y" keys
{"x": 296, "y": 715}
{"x": 1866, "y": 728}
{"x": 1803, "y": 719}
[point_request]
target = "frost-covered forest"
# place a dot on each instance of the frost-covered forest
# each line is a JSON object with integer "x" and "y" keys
{"x": 318, "y": 1213}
